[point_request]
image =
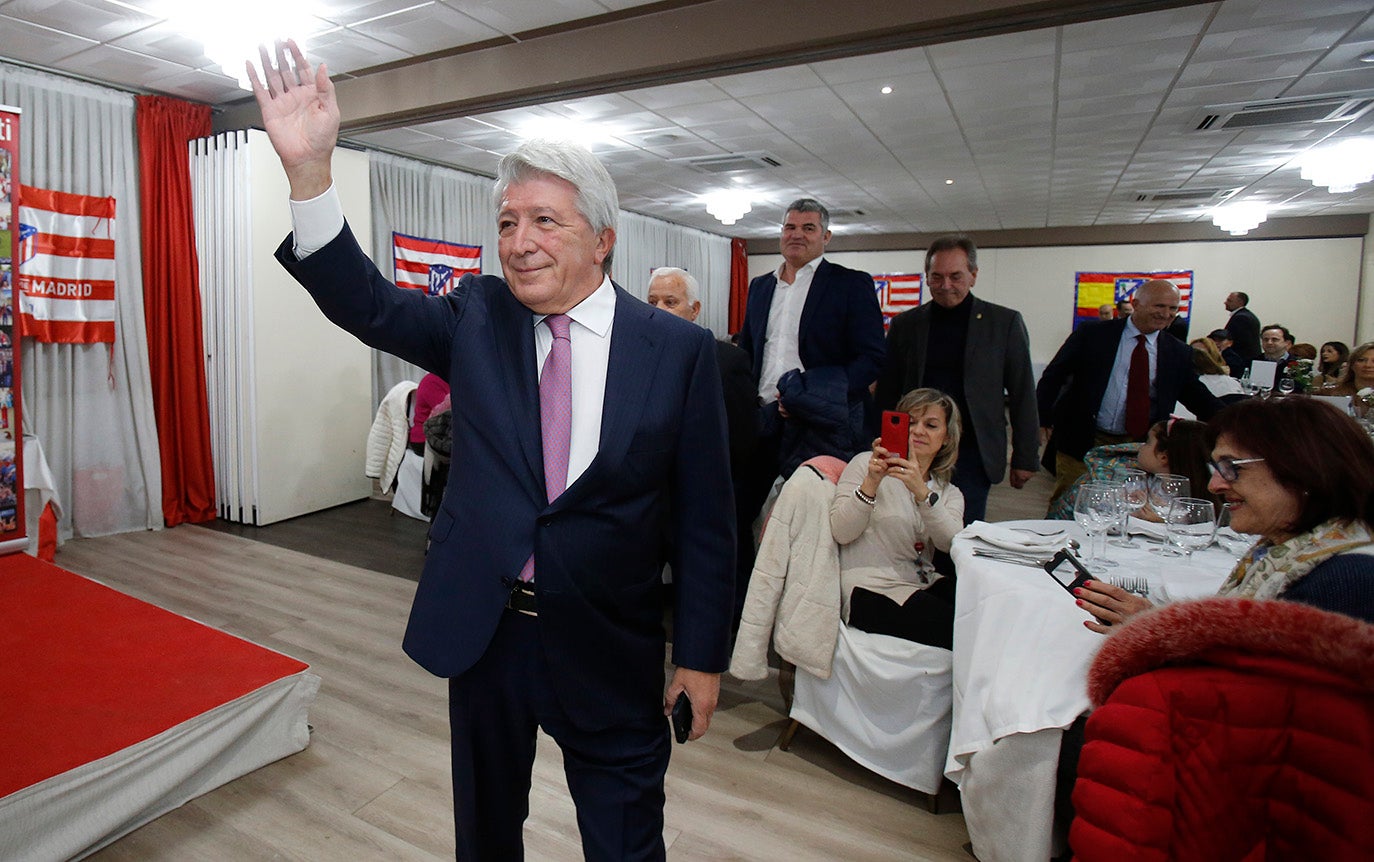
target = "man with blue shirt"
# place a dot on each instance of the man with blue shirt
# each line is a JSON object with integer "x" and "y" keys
{"x": 1112, "y": 380}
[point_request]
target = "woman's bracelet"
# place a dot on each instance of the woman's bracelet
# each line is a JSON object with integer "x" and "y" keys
{"x": 864, "y": 498}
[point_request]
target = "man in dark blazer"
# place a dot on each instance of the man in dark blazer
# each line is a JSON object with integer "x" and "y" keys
{"x": 820, "y": 318}
{"x": 1083, "y": 391}
{"x": 1243, "y": 325}
{"x": 578, "y": 649}
{"x": 976, "y": 352}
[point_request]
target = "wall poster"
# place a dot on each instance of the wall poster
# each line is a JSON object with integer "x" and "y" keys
{"x": 1097, "y": 292}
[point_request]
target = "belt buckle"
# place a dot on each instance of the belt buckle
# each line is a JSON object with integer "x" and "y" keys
{"x": 522, "y": 599}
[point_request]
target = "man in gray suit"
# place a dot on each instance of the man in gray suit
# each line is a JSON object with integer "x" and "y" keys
{"x": 979, "y": 354}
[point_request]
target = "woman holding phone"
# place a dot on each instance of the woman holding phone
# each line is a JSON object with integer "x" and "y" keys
{"x": 892, "y": 510}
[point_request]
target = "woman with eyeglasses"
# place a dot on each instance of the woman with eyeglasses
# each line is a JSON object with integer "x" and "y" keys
{"x": 1310, "y": 505}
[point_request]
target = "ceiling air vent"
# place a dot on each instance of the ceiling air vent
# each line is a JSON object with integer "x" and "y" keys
{"x": 1184, "y": 196}
{"x": 724, "y": 164}
{"x": 1284, "y": 112}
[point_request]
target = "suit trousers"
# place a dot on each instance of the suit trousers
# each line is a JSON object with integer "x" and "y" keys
{"x": 615, "y": 776}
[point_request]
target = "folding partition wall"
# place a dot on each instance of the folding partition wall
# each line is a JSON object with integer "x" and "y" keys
{"x": 289, "y": 393}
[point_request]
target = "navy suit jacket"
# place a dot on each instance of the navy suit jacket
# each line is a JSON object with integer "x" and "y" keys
{"x": 1072, "y": 385}
{"x": 657, "y": 491}
{"x": 841, "y": 324}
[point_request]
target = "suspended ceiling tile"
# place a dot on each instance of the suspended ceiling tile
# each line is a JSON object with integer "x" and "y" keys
{"x": 121, "y": 66}
{"x": 510, "y": 17}
{"x": 198, "y": 85}
{"x": 343, "y": 50}
{"x": 1299, "y": 37}
{"x": 1348, "y": 81}
{"x": 163, "y": 40}
{"x": 1006, "y": 47}
{"x": 424, "y": 29}
{"x": 30, "y": 43}
{"x": 1178, "y": 24}
{"x": 90, "y": 19}
{"x": 873, "y": 67}
{"x": 785, "y": 80}
{"x": 1244, "y": 69}
{"x": 672, "y": 95}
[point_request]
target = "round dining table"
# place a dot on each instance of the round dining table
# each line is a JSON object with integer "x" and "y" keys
{"x": 1021, "y": 659}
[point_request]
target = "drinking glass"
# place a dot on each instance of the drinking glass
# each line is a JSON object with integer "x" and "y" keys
{"x": 1164, "y": 489}
{"x": 1190, "y": 524}
{"x": 1286, "y": 386}
{"x": 1095, "y": 508}
{"x": 1134, "y": 495}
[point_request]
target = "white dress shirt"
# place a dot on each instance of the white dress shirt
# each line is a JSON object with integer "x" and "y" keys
{"x": 1111, "y": 413}
{"x": 316, "y": 222}
{"x": 781, "y": 343}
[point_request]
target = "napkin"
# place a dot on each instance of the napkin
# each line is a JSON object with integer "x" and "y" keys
{"x": 1008, "y": 538}
{"x": 1139, "y": 527}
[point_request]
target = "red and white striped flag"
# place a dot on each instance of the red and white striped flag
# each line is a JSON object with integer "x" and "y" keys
{"x": 66, "y": 267}
{"x": 433, "y": 265}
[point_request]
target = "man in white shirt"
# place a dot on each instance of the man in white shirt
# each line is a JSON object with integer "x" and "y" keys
{"x": 588, "y": 449}
{"x": 823, "y": 321}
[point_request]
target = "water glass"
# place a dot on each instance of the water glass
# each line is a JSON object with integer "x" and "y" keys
{"x": 1096, "y": 507}
{"x": 1164, "y": 489}
{"x": 1190, "y": 524}
{"x": 1233, "y": 543}
{"x": 1286, "y": 386}
{"x": 1134, "y": 495}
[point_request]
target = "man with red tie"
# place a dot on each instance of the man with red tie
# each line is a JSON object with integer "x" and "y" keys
{"x": 1111, "y": 380}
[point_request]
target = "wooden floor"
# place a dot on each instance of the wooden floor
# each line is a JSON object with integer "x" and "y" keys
{"x": 374, "y": 783}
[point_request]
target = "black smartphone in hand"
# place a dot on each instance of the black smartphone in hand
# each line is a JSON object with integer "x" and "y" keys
{"x": 1065, "y": 565}
{"x": 682, "y": 717}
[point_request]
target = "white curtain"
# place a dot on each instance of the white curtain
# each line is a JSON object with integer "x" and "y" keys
{"x": 643, "y": 244}
{"x": 440, "y": 203}
{"x": 99, "y": 438}
{"x": 414, "y": 198}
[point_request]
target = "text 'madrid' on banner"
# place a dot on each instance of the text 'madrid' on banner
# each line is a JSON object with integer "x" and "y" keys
{"x": 433, "y": 265}
{"x": 66, "y": 263}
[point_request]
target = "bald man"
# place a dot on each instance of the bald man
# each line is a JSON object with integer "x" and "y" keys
{"x": 1087, "y": 391}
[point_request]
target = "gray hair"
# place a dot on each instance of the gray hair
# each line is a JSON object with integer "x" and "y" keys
{"x": 810, "y": 205}
{"x": 688, "y": 280}
{"x": 597, "y": 200}
{"x": 950, "y": 242}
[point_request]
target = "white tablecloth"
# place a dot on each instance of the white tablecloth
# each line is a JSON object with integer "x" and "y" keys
{"x": 1021, "y": 657}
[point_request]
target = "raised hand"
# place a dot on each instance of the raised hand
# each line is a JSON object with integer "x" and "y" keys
{"x": 300, "y": 114}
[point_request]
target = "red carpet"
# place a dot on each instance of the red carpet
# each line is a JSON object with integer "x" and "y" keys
{"x": 86, "y": 671}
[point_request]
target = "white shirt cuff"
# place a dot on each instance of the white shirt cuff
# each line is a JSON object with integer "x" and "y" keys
{"x": 316, "y": 222}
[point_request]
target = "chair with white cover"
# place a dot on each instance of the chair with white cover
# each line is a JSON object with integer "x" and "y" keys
{"x": 887, "y": 705}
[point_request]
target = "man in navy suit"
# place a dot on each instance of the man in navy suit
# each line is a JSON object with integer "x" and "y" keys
{"x": 541, "y": 599}
{"x": 1084, "y": 390}
{"x": 822, "y": 320}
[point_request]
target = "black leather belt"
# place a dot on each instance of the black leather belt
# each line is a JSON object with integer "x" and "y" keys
{"x": 522, "y": 599}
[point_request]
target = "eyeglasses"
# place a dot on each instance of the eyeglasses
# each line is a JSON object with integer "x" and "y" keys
{"x": 1226, "y": 467}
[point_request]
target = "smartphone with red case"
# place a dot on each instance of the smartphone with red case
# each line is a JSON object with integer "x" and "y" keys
{"x": 896, "y": 430}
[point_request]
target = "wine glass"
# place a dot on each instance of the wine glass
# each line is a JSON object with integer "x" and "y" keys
{"x": 1095, "y": 508}
{"x": 1134, "y": 495}
{"x": 1190, "y": 524}
{"x": 1164, "y": 488}
{"x": 1285, "y": 386}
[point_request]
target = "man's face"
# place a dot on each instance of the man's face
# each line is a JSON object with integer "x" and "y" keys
{"x": 1222, "y": 343}
{"x": 949, "y": 277}
{"x": 669, "y": 293}
{"x": 1156, "y": 305}
{"x": 803, "y": 240}
{"x": 1233, "y": 301}
{"x": 549, "y": 253}
{"x": 1274, "y": 344}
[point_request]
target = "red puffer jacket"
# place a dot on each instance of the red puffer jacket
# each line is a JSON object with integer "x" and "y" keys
{"x": 1230, "y": 729}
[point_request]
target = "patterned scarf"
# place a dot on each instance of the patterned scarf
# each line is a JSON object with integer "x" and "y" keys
{"x": 1269, "y": 570}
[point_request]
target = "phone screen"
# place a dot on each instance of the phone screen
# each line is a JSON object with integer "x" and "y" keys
{"x": 1067, "y": 571}
{"x": 896, "y": 429}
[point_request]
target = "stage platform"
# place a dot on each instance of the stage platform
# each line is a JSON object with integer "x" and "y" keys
{"x": 114, "y": 711}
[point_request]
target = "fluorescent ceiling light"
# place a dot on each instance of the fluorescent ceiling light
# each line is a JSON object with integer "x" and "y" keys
{"x": 1240, "y": 218}
{"x": 728, "y": 206}
{"x": 231, "y": 33}
{"x": 1340, "y": 166}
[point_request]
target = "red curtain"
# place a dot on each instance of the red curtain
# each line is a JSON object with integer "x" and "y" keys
{"x": 739, "y": 283}
{"x": 171, "y": 303}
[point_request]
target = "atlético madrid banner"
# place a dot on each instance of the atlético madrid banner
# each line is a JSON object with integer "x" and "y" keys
{"x": 433, "y": 265}
{"x": 897, "y": 292}
{"x": 1095, "y": 290}
{"x": 66, "y": 267}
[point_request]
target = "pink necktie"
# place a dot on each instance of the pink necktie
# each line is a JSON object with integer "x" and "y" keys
{"x": 555, "y": 415}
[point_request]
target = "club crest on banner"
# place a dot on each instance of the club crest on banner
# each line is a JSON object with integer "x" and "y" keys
{"x": 1092, "y": 290}
{"x": 433, "y": 265}
{"x": 897, "y": 292}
